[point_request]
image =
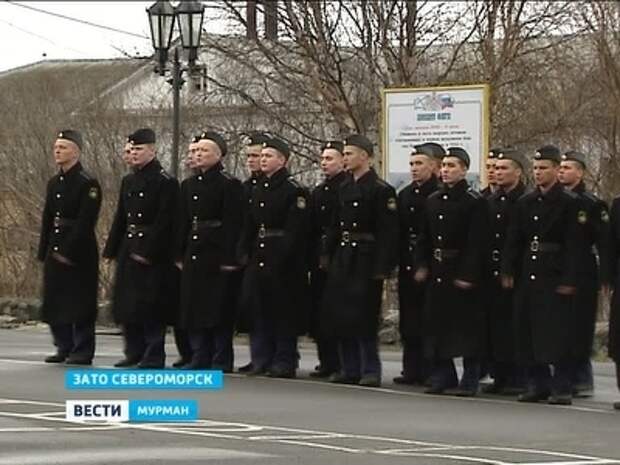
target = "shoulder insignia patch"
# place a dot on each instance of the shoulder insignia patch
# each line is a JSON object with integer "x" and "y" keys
{"x": 604, "y": 216}
{"x": 582, "y": 217}
{"x": 164, "y": 173}
{"x": 85, "y": 175}
{"x": 93, "y": 192}
{"x": 301, "y": 202}
{"x": 391, "y": 204}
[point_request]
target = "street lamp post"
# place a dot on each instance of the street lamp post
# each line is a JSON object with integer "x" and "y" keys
{"x": 189, "y": 15}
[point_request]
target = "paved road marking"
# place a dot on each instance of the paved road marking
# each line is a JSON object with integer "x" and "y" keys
{"x": 306, "y": 438}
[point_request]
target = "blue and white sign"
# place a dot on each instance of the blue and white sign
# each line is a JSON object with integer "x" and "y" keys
{"x": 144, "y": 379}
{"x": 159, "y": 411}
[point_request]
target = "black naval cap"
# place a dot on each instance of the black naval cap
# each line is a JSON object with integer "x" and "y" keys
{"x": 217, "y": 138}
{"x": 431, "y": 149}
{"x": 334, "y": 145}
{"x": 572, "y": 155}
{"x": 460, "y": 153}
{"x": 512, "y": 154}
{"x": 72, "y": 135}
{"x": 142, "y": 136}
{"x": 279, "y": 145}
{"x": 256, "y": 138}
{"x": 548, "y": 152}
{"x": 494, "y": 152}
{"x": 360, "y": 141}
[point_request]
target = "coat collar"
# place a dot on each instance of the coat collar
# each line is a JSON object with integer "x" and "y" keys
{"x": 151, "y": 167}
{"x": 72, "y": 172}
{"x": 552, "y": 194}
{"x": 210, "y": 173}
{"x": 276, "y": 178}
{"x": 426, "y": 188}
{"x": 455, "y": 191}
{"x": 512, "y": 195}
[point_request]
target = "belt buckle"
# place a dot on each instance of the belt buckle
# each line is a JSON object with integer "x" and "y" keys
{"x": 346, "y": 236}
{"x": 262, "y": 232}
{"x": 534, "y": 246}
{"x": 132, "y": 228}
{"x": 56, "y": 221}
{"x": 495, "y": 255}
{"x": 437, "y": 255}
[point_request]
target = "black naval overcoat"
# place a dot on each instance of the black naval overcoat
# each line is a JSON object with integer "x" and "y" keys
{"x": 592, "y": 269}
{"x": 542, "y": 252}
{"x": 323, "y": 202}
{"x": 411, "y": 294}
{"x": 364, "y": 245}
{"x": 614, "y": 277}
{"x": 209, "y": 225}
{"x": 452, "y": 246}
{"x": 144, "y": 225}
{"x": 72, "y": 204}
{"x": 499, "y": 301}
{"x": 274, "y": 245}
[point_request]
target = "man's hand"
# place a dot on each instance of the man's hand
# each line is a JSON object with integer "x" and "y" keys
{"x": 461, "y": 284}
{"x": 565, "y": 290}
{"x": 421, "y": 275}
{"x": 508, "y": 282}
{"x": 139, "y": 258}
{"x": 62, "y": 259}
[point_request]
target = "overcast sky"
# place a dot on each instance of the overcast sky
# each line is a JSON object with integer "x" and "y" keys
{"x": 27, "y": 36}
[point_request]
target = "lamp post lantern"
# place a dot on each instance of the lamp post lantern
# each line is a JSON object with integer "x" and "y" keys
{"x": 190, "y": 16}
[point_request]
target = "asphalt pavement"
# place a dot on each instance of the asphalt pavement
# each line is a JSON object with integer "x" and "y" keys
{"x": 303, "y": 421}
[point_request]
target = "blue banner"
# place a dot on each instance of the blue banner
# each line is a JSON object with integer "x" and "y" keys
{"x": 144, "y": 379}
{"x": 163, "y": 410}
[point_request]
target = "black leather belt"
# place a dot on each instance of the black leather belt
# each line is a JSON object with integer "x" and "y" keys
{"x": 60, "y": 222}
{"x": 537, "y": 246}
{"x": 196, "y": 225}
{"x": 440, "y": 254}
{"x": 137, "y": 228}
{"x": 348, "y": 236}
{"x": 266, "y": 232}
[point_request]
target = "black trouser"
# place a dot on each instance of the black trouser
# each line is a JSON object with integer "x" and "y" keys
{"x": 144, "y": 342}
{"x": 212, "y": 348}
{"x": 327, "y": 351}
{"x": 415, "y": 366}
{"x": 181, "y": 340}
{"x": 559, "y": 383}
{"x": 76, "y": 340}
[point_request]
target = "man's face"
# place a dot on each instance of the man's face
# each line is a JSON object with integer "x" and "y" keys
{"x": 545, "y": 172}
{"x": 453, "y": 170}
{"x": 208, "y": 154}
{"x": 65, "y": 152}
{"x": 190, "y": 160}
{"x": 570, "y": 173}
{"x": 332, "y": 162}
{"x": 271, "y": 160}
{"x": 421, "y": 168}
{"x": 127, "y": 154}
{"x": 141, "y": 154}
{"x": 490, "y": 164}
{"x": 507, "y": 173}
{"x": 354, "y": 158}
{"x": 252, "y": 157}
